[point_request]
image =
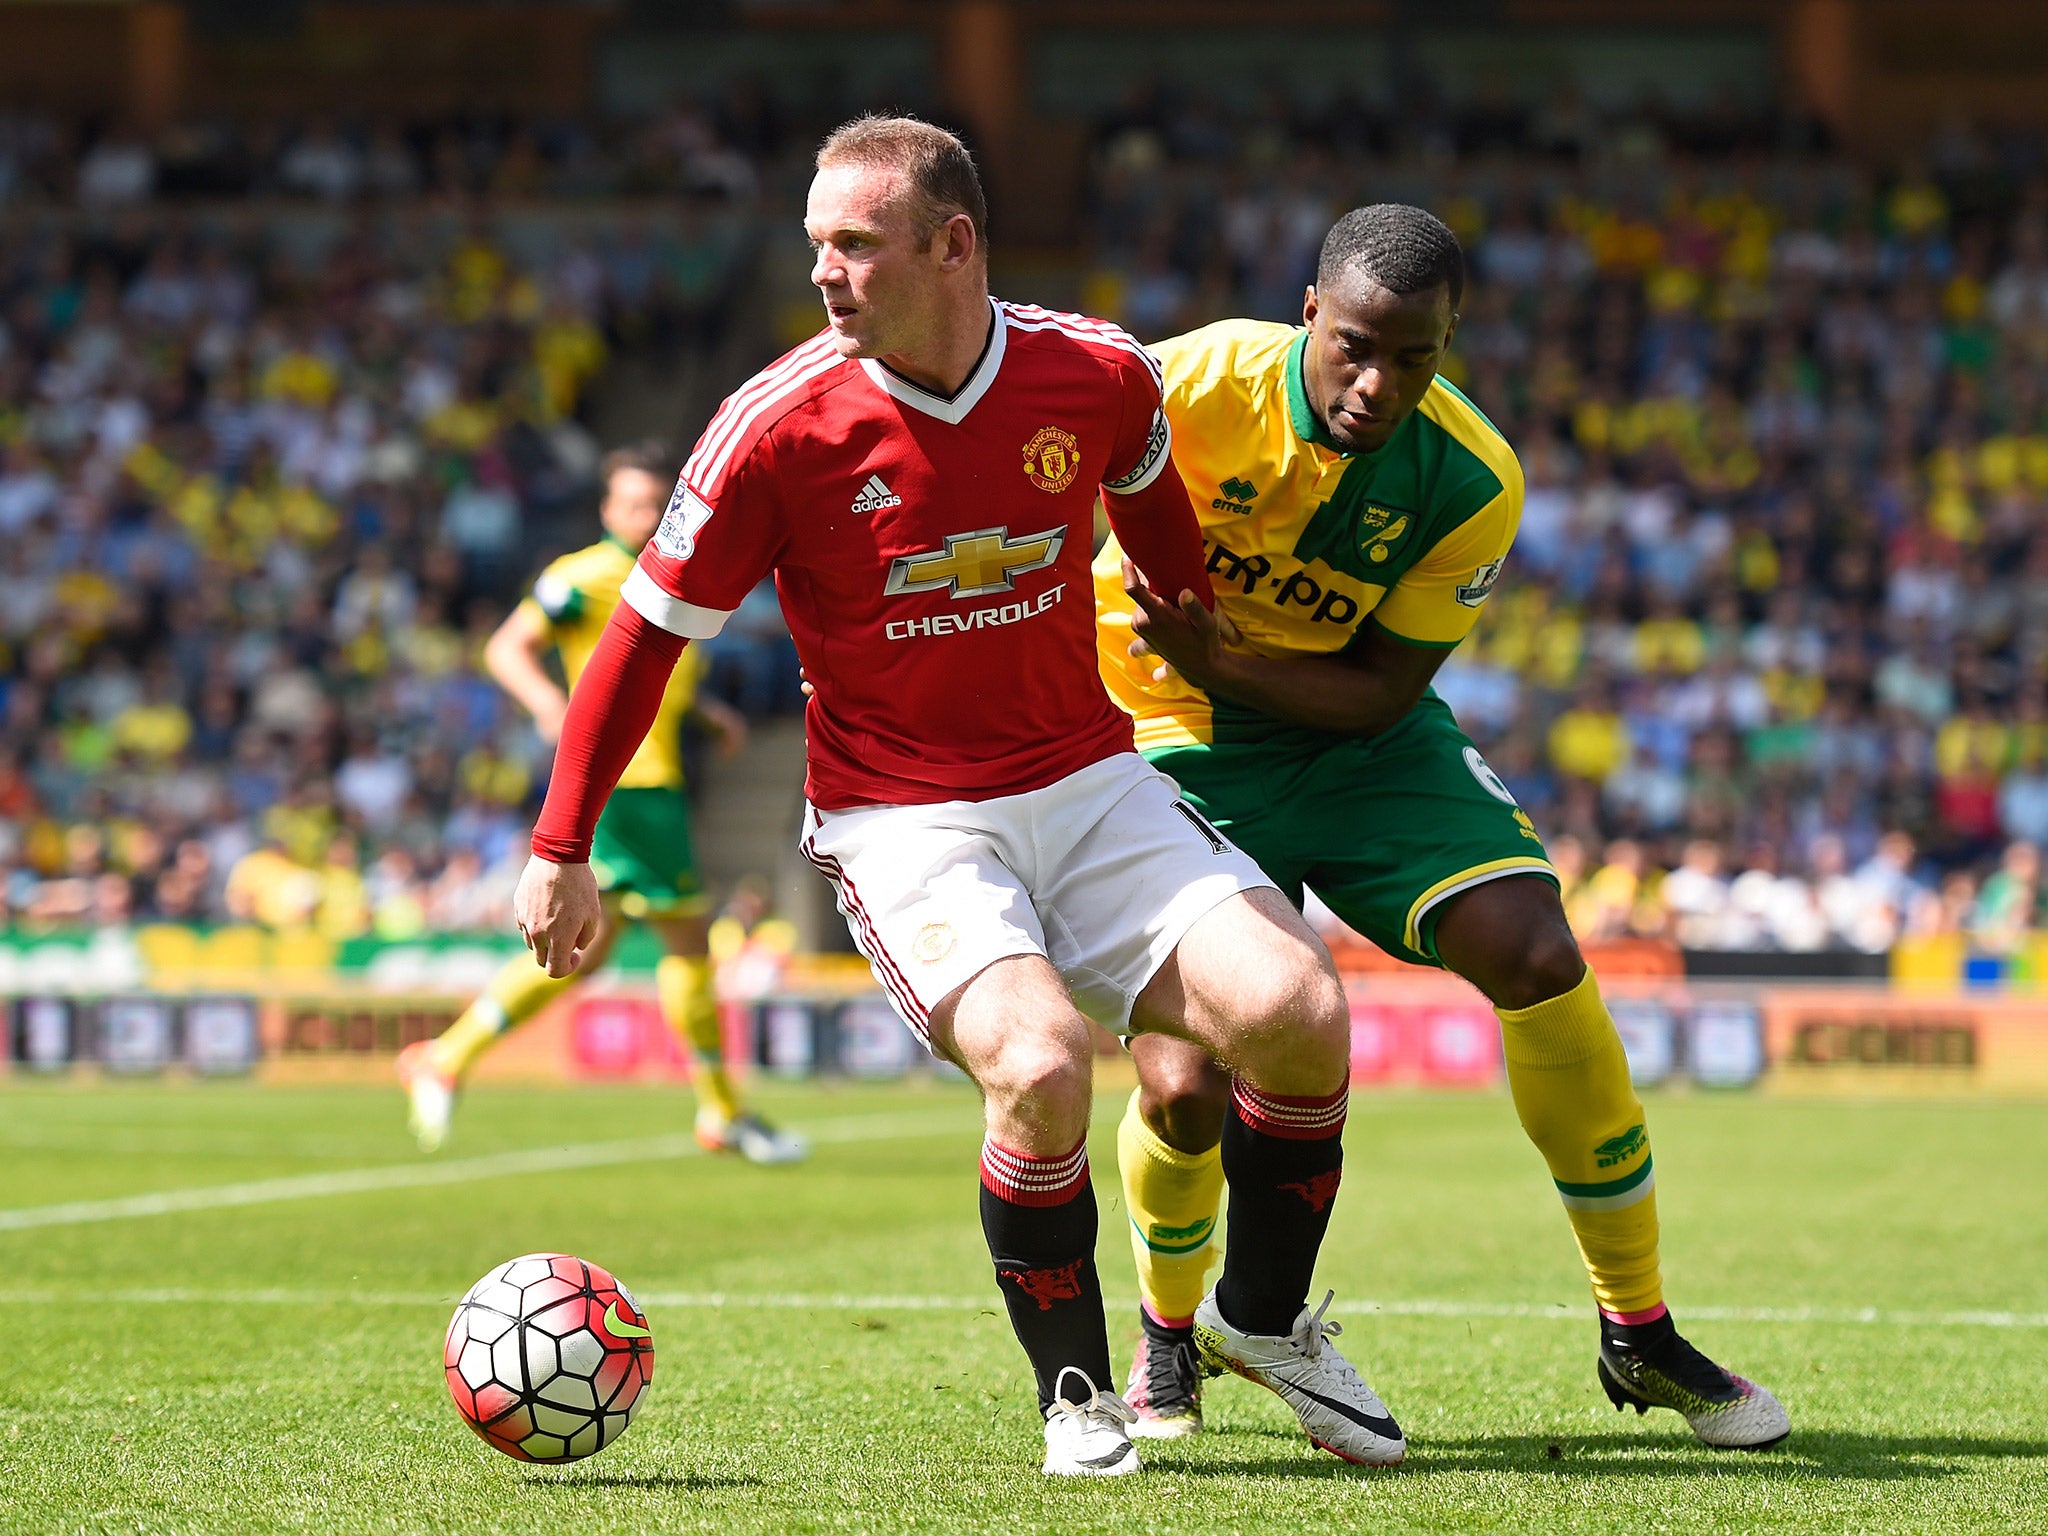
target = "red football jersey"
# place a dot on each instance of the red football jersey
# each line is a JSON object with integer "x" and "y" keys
{"x": 931, "y": 554}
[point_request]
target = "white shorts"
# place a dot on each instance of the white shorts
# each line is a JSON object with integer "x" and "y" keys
{"x": 1101, "y": 873}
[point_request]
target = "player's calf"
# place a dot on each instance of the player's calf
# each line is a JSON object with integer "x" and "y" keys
{"x": 1266, "y": 988}
{"x": 1172, "y": 1173}
{"x": 1014, "y": 1031}
{"x": 1257, "y": 989}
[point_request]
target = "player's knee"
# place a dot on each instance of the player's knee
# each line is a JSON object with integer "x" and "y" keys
{"x": 1547, "y": 964}
{"x": 1041, "y": 1080}
{"x": 1184, "y": 1101}
{"x": 1326, "y": 1026}
{"x": 1296, "y": 1014}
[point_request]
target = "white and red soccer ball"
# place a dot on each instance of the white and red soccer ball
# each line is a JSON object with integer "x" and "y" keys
{"x": 547, "y": 1357}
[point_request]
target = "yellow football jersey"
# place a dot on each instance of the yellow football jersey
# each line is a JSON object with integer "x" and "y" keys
{"x": 1306, "y": 543}
{"x": 576, "y": 596}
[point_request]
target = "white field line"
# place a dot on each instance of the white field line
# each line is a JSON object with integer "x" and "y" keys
{"x": 465, "y": 1170}
{"x": 841, "y": 1301}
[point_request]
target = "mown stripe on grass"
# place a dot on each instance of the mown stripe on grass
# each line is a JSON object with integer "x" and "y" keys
{"x": 497, "y": 1165}
{"x": 854, "y": 1301}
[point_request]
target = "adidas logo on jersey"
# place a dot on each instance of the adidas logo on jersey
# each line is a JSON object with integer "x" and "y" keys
{"x": 874, "y": 496}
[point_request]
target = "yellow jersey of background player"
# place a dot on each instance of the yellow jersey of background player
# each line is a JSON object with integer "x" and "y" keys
{"x": 642, "y": 855}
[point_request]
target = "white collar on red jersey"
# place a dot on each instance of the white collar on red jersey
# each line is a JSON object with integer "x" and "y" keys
{"x": 951, "y": 411}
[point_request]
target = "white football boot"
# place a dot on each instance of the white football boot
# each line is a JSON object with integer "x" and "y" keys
{"x": 429, "y": 1092}
{"x": 752, "y": 1137}
{"x": 1338, "y": 1410}
{"x": 1088, "y": 1439}
{"x": 1726, "y": 1411}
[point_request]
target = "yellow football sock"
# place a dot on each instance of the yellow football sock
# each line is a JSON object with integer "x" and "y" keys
{"x": 1173, "y": 1198}
{"x": 521, "y": 989}
{"x": 1570, "y": 1082}
{"x": 683, "y": 982}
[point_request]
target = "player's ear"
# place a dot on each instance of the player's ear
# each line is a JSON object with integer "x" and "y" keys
{"x": 1308, "y": 306}
{"x": 956, "y": 243}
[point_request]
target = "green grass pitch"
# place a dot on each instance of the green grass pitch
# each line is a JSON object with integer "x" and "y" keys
{"x": 183, "y": 1364}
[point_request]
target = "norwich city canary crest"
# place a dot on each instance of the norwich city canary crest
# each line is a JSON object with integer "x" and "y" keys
{"x": 1381, "y": 528}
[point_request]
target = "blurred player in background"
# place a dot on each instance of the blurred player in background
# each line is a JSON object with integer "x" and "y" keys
{"x": 921, "y": 478}
{"x": 645, "y": 864}
{"x": 1357, "y": 509}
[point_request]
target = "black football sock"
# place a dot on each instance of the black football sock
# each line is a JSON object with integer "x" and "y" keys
{"x": 1038, "y": 1214}
{"x": 1283, "y": 1159}
{"x": 1642, "y": 1332}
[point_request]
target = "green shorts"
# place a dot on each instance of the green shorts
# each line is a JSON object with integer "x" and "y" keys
{"x": 1384, "y": 830}
{"x": 643, "y": 857}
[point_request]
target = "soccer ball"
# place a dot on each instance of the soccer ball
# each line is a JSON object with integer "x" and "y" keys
{"x": 547, "y": 1357}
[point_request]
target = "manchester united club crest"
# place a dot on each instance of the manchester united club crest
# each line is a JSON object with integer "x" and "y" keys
{"x": 1052, "y": 459}
{"x": 933, "y": 943}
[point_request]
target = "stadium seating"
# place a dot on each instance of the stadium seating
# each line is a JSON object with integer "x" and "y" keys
{"x": 282, "y": 431}
{"x": 271, "y": 466}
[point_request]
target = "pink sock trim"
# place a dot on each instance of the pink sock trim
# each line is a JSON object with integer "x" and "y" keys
{"x": 1164, "y": 1322}
{"x": 1022, "y": 1179}
{"x": 1291, "y": 1119}
{"x": 1630, "y": 1319}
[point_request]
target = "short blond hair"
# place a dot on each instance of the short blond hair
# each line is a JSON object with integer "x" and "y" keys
{"x": 940, "y": 171}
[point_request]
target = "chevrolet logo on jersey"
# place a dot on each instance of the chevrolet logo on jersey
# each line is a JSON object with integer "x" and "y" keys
{"x": 974, "y": 564}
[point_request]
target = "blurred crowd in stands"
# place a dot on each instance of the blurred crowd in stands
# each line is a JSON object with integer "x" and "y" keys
{"x": 271, "y": 471}
{"x": 287, "y": 416}
{"x": 1769, "y": 661}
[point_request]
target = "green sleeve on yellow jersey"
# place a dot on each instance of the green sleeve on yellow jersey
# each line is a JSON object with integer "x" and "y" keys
{"x": 556, "y": 594}
{"x": 1436, "y": 602}
{"x": 1437, "y": 599}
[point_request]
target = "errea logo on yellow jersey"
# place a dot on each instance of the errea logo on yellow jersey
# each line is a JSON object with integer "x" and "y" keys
{"x": 1237, "y": 496}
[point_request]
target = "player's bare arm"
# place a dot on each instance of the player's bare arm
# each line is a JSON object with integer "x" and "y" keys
{"x": 515, "y": 656}
{"x": 1360, "y": 693}
{"x": 724, "y": 722}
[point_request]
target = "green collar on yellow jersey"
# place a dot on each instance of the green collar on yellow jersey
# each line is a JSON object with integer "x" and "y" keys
{"x": 1308, "y": 426}
{"x": 618, "y": 543}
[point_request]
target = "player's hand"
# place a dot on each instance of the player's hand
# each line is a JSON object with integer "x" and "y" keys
{"x": 557, "y": 910}
{"x": 1186, "y": 637}
{"x": 727, "y": 724}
